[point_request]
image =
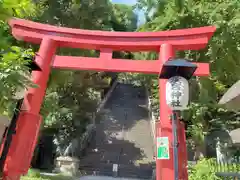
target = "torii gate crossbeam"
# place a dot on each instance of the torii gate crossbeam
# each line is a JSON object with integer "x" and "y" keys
{"x": 51, "y": 37}
{"x": 117, "y": 65}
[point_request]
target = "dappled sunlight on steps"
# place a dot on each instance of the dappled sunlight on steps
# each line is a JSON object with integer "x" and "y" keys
{"x": 123, "y": 136}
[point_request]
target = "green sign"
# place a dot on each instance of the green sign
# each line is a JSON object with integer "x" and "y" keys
{"x": 162, "y": 148}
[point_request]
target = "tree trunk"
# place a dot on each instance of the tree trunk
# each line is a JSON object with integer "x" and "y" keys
{"x": 199, "y": 152}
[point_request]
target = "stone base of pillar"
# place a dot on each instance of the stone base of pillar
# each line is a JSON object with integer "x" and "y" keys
{"x": 67, "y": 165}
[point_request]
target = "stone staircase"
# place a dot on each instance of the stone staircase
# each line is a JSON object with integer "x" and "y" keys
{"x": 123, "y": 137}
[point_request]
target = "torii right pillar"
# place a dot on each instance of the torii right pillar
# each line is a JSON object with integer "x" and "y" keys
{"x": 164, "y": 165}
{"x": 164, "y": 158}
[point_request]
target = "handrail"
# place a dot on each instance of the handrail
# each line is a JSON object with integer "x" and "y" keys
{"x": 107, "y": 96}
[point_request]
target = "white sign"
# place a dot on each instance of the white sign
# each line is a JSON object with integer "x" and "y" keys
{"x": 163, "y": 148}
{"x": 115, "y": 167}
{"x": 177, "y": 93}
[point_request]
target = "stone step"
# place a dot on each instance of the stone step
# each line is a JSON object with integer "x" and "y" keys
{"x": 129, "y": 171}
{"x": 123, "y": 137}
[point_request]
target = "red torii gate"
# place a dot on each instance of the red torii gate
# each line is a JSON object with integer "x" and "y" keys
{"x": 51, "y": 37}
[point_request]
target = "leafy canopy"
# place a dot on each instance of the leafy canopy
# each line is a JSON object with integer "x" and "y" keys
{"x": 13, "y": 71}
{"x": 222, "y": 53}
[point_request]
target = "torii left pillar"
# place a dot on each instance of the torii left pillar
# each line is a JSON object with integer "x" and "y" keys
{"x": 29, "y": 119}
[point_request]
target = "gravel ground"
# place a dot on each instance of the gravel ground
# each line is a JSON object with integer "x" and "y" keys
{"x": 103, "y": 178}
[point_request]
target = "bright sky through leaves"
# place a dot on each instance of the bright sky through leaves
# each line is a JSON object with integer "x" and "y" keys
{"x": 125, "y": 1}
{"x": 140, "y": 14}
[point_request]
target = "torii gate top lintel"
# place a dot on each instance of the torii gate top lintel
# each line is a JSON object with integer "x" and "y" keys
{"x": 184, "y": 39}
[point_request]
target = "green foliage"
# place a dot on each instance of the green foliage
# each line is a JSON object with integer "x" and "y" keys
{"x": 92, "y": 14}
{"x": 149, "y": 7}
{"x": 203, "y": 170}
{"x": 13, "y": 75}
{"x": 206, "y": 169}
{"x": 17, "y": 8}
{"x": 13, "y": 71}
{"x": 68, "y": 107}
{"x": 35, "y": 175}
{"x": 123, "y": 18}
{"x": 222, "y": 53}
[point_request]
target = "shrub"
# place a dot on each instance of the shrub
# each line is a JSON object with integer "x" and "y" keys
{"x": 35, "y": 175}
{"x": 203, "y": 170}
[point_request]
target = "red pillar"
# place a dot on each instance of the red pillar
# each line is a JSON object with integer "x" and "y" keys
{"x": 182, "y": 152}
{"x": 164, "y": 167}
{"x": 44, "y": 59}
{"x": 23, "y": 142}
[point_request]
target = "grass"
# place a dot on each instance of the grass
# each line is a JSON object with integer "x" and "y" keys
{"x": 35, "y": 175}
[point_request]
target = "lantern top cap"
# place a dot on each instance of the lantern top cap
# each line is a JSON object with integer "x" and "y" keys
{"x": 180, "y": 62}
{"x": 177, "y": 67}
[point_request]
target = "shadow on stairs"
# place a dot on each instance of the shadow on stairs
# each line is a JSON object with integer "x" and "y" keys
{"x": 123, "y": 137}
